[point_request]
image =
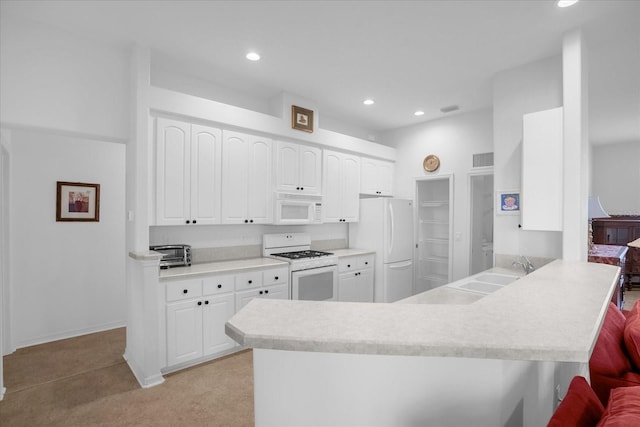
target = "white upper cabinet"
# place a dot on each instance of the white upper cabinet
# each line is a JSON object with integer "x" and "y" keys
{"x": 188, "y": 168}
{"x": 376, "y": 177}
{"x": 341, "y": 183}
{"x": 542, "y": 170}
{"x": 298, "y": 168}
{"x": 246, "y": 176}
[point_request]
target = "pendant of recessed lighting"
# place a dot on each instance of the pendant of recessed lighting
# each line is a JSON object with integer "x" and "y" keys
{"x": 566, "y": 3}
{"x": 252, "y": 56}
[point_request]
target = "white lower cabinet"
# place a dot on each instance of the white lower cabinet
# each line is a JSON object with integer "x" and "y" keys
{"x": 197, "y": 311}
{"x": 355, "y": 279}
{"x": 273, "y": 283}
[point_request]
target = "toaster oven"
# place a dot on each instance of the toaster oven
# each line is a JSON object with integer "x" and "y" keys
{"x": 173, "y": 255}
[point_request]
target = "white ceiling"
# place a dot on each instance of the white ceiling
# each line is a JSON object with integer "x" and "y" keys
{"x": 406, "y": 55}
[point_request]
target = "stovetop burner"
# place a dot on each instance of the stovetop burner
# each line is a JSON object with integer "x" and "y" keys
{"x": 303, "y": 254}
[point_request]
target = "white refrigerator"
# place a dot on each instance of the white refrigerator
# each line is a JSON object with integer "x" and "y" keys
{"x": 386, "y": 227}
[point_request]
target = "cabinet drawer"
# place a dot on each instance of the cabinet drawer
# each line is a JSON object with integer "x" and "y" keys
{"x": 365, "y": 261}
{"x": 249, "y": 280}
{"x": 355, "y": 263}
{"x": 184, "y": 289}
{"x": 218, "y": 284}
{"x": 276, "y": 275}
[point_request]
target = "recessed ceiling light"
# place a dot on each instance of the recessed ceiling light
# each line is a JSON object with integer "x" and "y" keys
{"x": 566, "y": 3}
{"x": 252, "y": 56}
{"x": 368, "y": 102}
{"x": 419, "y": 113}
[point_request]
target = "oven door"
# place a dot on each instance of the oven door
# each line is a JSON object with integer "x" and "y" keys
{"x": 315, "y": 284}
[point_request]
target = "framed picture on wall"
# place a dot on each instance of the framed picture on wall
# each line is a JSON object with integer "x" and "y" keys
{"x": 508, "y": 202}
{"x": 77, "y": 201}
{"x": 301, "y": 118}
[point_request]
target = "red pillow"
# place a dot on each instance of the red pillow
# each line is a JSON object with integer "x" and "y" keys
{"x": 632, "y": 335}
{"x": 609, "y": 357}
{"x": 579, "y": 408}
{"x": 623, "y": 409}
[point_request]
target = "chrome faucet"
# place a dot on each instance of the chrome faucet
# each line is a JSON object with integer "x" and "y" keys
{"x": 525, "y": 263}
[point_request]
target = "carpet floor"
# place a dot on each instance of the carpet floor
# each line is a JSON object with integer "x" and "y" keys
{"x": 84, "y": 381}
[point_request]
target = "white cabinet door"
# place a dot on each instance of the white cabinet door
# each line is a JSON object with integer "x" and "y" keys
{"x": 351, "y": 188}
{"x": 276, "y": 292}
{"x": 287, "y": 167}
{"x": 376, "y": 177}
{"x": 273, "y": 292}
{"x": 172, "y": 172}
{"x": 542, "y": 169}
{"x": 184, "y": 331}
{"x": 246, "y": 174}
{"x": 217, "y": 310}
{"x": 310, "y": 170}
{"x": 341, "y": 183}
{"x": 206, "y": 151}
{"x": 298, "y": 168}
{"x": 355, "y": 282}
{"x": 188, "y": 173}
{"x": 260, "y": 199}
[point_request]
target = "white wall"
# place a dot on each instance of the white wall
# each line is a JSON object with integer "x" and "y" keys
{"x": 51, "y": 79}
{"x": 67, "y": 277}
{"x": 615, "y": 172}
{"x": 454, "y": 140}
{"x": 533, "y": 87}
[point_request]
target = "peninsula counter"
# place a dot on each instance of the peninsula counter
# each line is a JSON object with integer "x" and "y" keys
{"x": 504, "y": 357}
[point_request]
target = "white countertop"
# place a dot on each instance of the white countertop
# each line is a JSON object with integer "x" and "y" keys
{"x": 554, "y": 314}
{"x": 350, "y": 252}
{"x": 221, "y": 267}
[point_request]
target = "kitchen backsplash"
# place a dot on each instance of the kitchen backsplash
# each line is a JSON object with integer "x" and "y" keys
{"x": 204, "y": 255}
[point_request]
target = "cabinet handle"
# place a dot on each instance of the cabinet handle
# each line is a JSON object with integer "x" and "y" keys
{"x": 276, "y": 278}
{"x": 184, "y": 291}
{"x": 366, "y": 263}
{"x": 297, "y": 188}
{"x": 302, "y": 188}
{"x": 348, "y": 265}
{"x": 219, "y": 286}
{"x": 188, "y": 222}
{"x": 267, "y": 291}
{"x": 206, "y": 302}
{"x": 251, "y": 221}
{"x": 250, "y": 281}
{"x": 246, "y": 221}
{"x": 260, "y": 292}
{"x": 194, "y": 221}
{"x": 199, "y": 302}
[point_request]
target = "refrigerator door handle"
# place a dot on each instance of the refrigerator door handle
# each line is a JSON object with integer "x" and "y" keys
{"x": 400, "y": 265}
{"x": 391, "y": 229}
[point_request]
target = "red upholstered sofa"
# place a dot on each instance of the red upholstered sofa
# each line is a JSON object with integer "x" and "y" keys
{"x": 582, "y": 408}
{"x": 615, "y": 361}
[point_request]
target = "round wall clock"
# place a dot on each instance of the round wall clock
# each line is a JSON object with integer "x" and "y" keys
{"x": 431, "y": 163}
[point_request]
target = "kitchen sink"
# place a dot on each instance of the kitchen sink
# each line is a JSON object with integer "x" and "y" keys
{"x": 498, "y": 279}
{"x": 483, "y": 283}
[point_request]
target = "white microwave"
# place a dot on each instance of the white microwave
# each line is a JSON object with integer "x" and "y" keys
{"x": 292, "y": 208}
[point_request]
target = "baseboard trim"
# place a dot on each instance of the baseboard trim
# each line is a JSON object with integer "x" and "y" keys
{"x": 70, "y": 334}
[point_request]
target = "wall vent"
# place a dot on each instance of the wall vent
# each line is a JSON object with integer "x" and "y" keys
{"x": 482, "y": 160}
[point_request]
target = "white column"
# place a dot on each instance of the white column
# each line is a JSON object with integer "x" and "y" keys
{"x": 142, "y": 352}
{"x": 576, "y": 152}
